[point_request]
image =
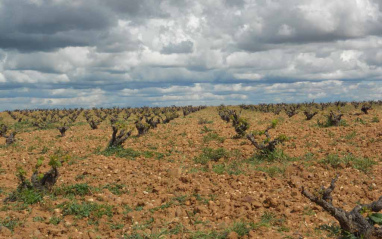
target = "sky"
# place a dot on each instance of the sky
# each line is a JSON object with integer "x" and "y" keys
{"x": 97, "y": 53}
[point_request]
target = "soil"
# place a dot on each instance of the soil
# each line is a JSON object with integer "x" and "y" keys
{"x": 164, "y": 193}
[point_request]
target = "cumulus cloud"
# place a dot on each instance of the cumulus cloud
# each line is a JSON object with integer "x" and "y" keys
{"x": 72, "y": 53}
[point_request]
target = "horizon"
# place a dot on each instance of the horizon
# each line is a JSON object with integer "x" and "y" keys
{"x": 180, "y": 106}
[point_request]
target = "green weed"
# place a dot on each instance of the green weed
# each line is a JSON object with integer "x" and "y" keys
{"x": 120, "y": 152}
{"x": 85, "y": 209}
{"x": 210, "y": 154}
{"x": 213, "y": 137}
{"x": 362, "y": 164}
{"x": 80, "y": 189}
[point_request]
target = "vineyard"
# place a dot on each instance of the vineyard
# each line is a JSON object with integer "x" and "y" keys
{"x": 309, "y": 170}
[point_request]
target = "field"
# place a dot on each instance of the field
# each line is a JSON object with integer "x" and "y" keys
{"x": 191, "y": 177}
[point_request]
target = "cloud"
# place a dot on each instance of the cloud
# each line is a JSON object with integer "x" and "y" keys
{"x": 2, "y": 78}
{"x": 180, "y": 48}
{"x": 167, "y": 52}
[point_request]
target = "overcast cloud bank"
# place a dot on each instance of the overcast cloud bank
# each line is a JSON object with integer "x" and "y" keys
{"x": 56, "y": 53}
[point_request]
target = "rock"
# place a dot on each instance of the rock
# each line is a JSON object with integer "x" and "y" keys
{"x": 57, "y": 210}
{"x": 54, "y": 231}
{"x": 307, "y": 175}
{"x": 252, "y": 234}
{"x": 174, "y": 172}
{"x": 92, "y": 235}
{"x": 118, "y": 200}
{"x": 5, "y": 232}
{"x": 296, "y": 208}
{"x": 209, "y": 165}
{"x": 295, "y": 182}
{"x": 126, "y": 201}
{"x": 37, "y": 233}
{"x": 270, "y": 202}
{"x": 178, "y": 212}
{"x": 184, "y": 180}
{"x": 201, "y": 209}
{"x": 68, "y": 223}
{"x": 248, "y": 199}
{"x": 257, "y": 204}
{"x": 233, "y": 235}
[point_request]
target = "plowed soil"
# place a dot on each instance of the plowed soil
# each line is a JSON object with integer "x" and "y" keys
{"x": 161, "y": 190}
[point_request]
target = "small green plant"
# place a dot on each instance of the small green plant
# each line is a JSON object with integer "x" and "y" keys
{"x": 29, "y": 196}
{"x": 116, "y": 226}
{"x": 139, "y": 208}
{"x": 38, "y": 219}
{"x": 233, "y": 168}
{"x": 375, "y": 218}
{"x": 272, "y": 171}
{"x": 362, "y": 164}
{"x": 375, "y": 119}
{"x": 120, "y": 152}
{"x": 86, "y": 209}
{"x": 80, "y": 189}
{"x": 349, "y": 160}
{"x": 274, "y": 123}
{"x": 359, "y": 120}
{"x": 55, "y": 220}
{"x": 205, "y": 129}
{"x": 44, "y": 150}
{"x": 204, "y": 121}
{"x": 219, "y": 168}
{"x": 277, "y": 155}
{"x": 10, "y": 223}
{"x": 333, "y": 160}
{"x": 215, "y": 154}
{"x": 32, "y": 191}
{"x": 351, "y": 135}
{"x": 267, "y": 219}
{"x": 213, "y": 137}
{"x": 333, "y": 230}
{"x": 116, "y": 189}
{"x": 31, "y": 148}
{"x": 241, "y": 228}
{"x": 210, "y": 154}
{"x": 308, "y": 211}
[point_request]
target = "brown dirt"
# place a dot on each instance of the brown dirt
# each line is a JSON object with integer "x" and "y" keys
{"x": 169, "y": 191}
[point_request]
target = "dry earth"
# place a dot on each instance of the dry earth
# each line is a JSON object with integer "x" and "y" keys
{"x": 161, "y": 190}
